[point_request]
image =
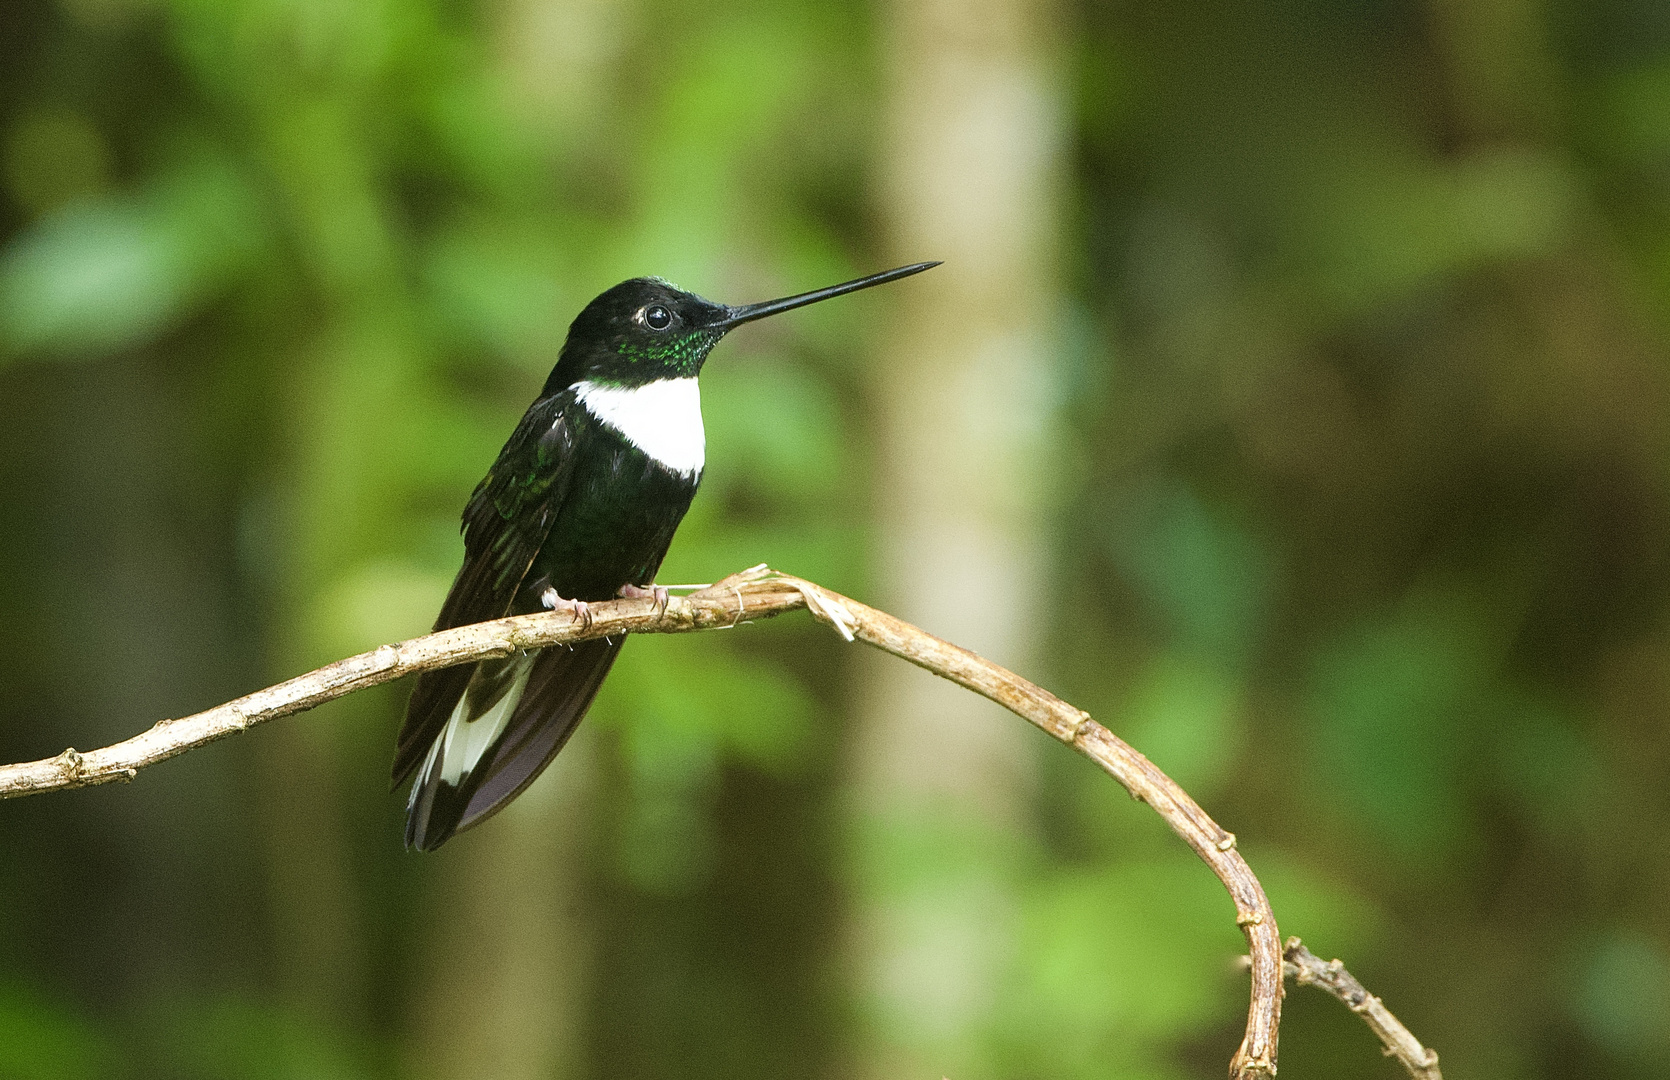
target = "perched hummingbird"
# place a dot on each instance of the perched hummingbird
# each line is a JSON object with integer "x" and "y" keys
{"x": 580, "y": 506}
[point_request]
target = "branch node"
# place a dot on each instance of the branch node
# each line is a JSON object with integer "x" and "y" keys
{"x": 1261, "y": 1065}
{"x": 1227, "y": 843}
{"x": 1251, "y": 918}
{"x": 71, "y": 763}
{"x": 830, "y": 610}
{"x": 1080, "y": 722}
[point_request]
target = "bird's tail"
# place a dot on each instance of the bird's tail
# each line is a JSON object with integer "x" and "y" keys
{"x": 507, "y": 726}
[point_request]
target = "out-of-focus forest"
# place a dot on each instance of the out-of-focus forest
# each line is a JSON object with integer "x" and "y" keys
{"x": 1293, "y": 397}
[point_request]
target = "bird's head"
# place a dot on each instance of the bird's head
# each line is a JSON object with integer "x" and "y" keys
{"x": 647, "y": 329}
{"x": 640, "y": 331}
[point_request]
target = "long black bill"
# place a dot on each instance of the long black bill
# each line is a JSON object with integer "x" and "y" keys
{"x": 750, "y": 312}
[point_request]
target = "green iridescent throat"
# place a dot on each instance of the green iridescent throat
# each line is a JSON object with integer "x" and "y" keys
{"x": 680, "y": 357}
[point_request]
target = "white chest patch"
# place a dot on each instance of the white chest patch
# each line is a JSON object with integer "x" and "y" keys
{"x": 662, "y": 418}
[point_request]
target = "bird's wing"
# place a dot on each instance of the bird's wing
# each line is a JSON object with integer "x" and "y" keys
{"x": 505, "y": 524}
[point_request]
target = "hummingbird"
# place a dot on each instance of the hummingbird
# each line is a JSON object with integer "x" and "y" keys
{"x": 580, "y": 507}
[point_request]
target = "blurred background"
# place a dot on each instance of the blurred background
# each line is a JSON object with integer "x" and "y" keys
{"x": 1293, "y": 397}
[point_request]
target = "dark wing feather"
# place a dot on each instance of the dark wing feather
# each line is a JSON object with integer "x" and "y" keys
{"x": 505, "y": 524}
{"x": 559, "y": 690}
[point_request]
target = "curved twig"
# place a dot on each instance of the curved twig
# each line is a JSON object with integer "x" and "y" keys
{"x": 756, "y": 593}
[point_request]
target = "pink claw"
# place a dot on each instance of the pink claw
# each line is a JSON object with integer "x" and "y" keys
{"x": 656, "y": 592}
{"x": 578, "y": 608}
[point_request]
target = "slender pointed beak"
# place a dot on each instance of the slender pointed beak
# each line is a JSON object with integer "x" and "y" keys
{"x": 736, "y": 316}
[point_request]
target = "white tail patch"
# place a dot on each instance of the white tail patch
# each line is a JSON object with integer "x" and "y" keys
{"x": 459, "y": 749}
{"x": 662, "y": 418}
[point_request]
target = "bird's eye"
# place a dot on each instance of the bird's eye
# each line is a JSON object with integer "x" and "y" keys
{"x": 657, "y": 317}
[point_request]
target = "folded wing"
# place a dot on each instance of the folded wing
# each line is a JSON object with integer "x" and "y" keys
{"x": 505, "y": 524}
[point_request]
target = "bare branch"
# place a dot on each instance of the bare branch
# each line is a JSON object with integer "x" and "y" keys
{"x": 1310, "y": 970}
{"x": 756, "y": 594}
{"x": 720, "y": 605}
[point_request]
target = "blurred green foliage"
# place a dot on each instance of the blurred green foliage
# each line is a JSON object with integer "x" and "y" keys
{"x": 1365, "y": 529}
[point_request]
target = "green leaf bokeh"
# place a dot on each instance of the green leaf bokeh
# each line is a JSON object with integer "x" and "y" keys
{"x": 1363, "y": 524}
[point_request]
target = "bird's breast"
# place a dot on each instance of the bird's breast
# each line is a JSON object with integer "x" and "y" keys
{"x": 662, "y": 418}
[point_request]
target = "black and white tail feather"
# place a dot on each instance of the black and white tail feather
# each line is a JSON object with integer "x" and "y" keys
{"x": 512, "y": 719}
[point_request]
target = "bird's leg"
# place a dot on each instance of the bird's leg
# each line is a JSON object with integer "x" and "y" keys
{"x": 656, "y": 592}
{"x": 578, "y": 608}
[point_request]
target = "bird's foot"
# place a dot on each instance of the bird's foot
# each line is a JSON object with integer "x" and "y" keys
{"x": 658, "y": 593}
{"x": 578, "y": 608}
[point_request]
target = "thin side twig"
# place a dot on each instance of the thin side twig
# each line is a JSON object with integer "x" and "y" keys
{"x": 1308, "y": 969}
{"x": 756, "y": 593}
